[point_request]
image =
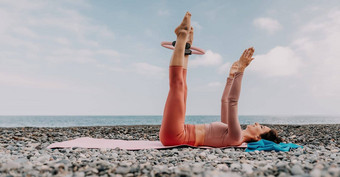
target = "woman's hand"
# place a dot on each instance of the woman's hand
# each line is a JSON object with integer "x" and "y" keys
{"x": 245, "y": 59}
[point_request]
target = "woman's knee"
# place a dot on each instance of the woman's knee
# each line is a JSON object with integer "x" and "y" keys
{"x": 177, "y": 83}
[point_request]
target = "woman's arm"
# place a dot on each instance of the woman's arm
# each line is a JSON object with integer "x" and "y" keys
{"x": 234, "y": 128}
{"x": 235, "y": 131}
{"x": 224, "y": 101}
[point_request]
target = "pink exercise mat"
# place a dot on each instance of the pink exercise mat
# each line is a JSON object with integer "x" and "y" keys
{"x": 87, "y": 142}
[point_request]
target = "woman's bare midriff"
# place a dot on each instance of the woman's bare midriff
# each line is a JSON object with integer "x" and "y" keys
{"x": 200, "y": 134}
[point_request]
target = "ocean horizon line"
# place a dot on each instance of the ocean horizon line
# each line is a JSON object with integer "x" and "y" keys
{"x": 111, "y": 120}
{"x": 328, "y": 115}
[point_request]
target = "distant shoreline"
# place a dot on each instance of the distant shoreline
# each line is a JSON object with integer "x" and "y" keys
{"x": 158, "y": 125}
{"x": 80, "y": 121}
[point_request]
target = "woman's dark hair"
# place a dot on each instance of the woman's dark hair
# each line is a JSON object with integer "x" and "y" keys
{"x": 271, "y": 136}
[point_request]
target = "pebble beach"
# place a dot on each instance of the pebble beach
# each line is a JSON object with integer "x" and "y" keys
{"x": 23, "y": 152}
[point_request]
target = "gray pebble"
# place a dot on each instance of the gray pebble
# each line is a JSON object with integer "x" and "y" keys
{"x": 297, "y": 170}
{"x": 315, "y": 173}
{"x": 10, "y": 165}
{"x": 64, "y": 161}
{"x": 123, "y": 170}
{"x": 235, "y": 166}
{"x": 247, "y": 168}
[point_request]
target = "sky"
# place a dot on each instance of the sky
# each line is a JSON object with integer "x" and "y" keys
{"x": 104, "y": 57}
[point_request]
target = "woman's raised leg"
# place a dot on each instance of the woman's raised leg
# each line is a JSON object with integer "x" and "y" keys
{"x": 186, "y": 60}
{"x": 172, "y": 131}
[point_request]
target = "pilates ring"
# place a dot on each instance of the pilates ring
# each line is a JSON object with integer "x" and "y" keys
{"x": 195, "y": 50}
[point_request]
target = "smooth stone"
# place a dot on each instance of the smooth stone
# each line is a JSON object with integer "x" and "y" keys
{"x": 10, "y": 165}
{"x": 21, "y": 160}
{"x": 28, "y": 166}
{"x": 220, "y": 174}
{"x": 319, "y": 166}
{"x": 134, "y": 169}
{"x": 297, "y": 153}
{"x": 283, "y": 174}
{"x": 79, "y": 174}
{"x": 218, "y": 151}
{"x": 103, "y": 150}
{"x": 266, "y": 167}
{"x": 315, "y": 173}
{"x": 313, "y": 159}
{"x": 43, "y": 159}
{"x": 222, "y": 167}
{"x": 334, "y": 150}
{"x": 197, "y": 170}
{"x": 247, "y": 168}
{"x": 161, "y": 169}
{"x": 281, "y": 165}
{"x": 211, "y": 157}
{"x": 185, "y": 167}
{"x": 203, "y": 155}
{"x": 235, "y": 166}
{"x": 122, "y": 170}
{"x": 334, "y": 171}
{"x": 333, "y": 156}
{"x": 125, "y": 164}
{"x": 309, "y": 166}
{"x": 262, "y": 163}
{"x": 10, "y": 147}
{"x": 297, "y": 170}
{"x": 44, "y": 168}
{"x": 64, "y": 161}
{"x": 114, "y": 155}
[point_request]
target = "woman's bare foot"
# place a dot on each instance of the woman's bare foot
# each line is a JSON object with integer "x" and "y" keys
{"x": 245, "y": 59}
{"x": 184, "y": 27}
{"x": 182, "y": 32}
{"x": 233, "y": 69}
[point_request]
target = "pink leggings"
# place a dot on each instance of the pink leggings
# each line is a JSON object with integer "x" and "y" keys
{"x": 174, "y": 131}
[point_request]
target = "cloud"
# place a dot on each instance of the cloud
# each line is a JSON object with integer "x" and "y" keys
{"x": 149, "y": 33}
{"x": 224, "y": 69}
{"x": 24, "y": 81}
{"x": 148, "y": 69}
{"x": 214, "y": 84}
{"x": 196, "y": 25}
{"x": 23, "y": 31}
{"x": 62, "y": 40}
{"x": 209, "y": 59}
{"x": 163, "y": 12}
{"x": 109, "y": 53}
{"x": 319, "y": 43}
{"x": 112, "y": 68}
{"x": 279, "y": 61}
{"x": 268, "y": 24}
{"x": 312, "y": 58}
{"x": 61, "y": 35}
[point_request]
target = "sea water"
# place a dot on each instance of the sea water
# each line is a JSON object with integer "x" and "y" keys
{"x": 72, "y": 121}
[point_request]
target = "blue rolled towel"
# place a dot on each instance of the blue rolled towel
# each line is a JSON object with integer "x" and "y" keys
{"x": 266, "y": 145}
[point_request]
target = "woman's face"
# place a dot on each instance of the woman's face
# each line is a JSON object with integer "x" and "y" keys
{"x": 256, "y": 130}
